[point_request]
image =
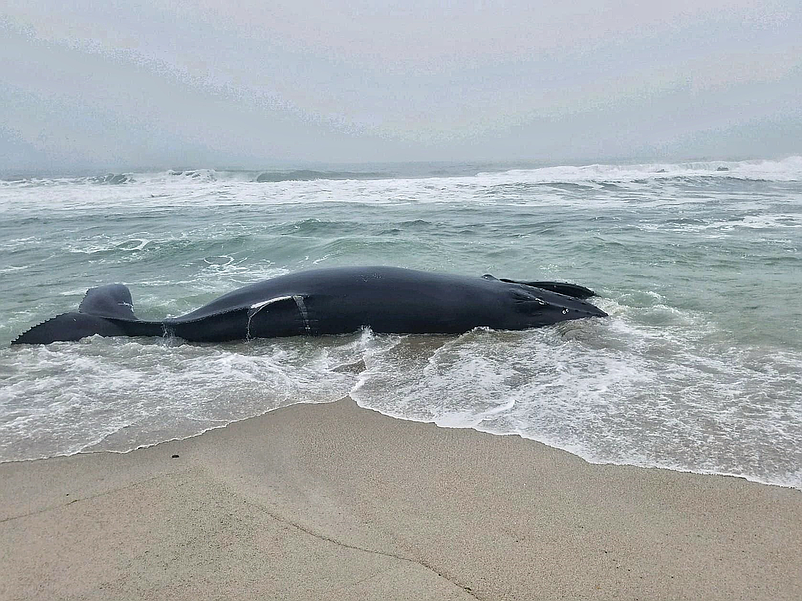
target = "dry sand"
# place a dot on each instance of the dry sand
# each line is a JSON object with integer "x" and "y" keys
{"x": 337, "y": 502}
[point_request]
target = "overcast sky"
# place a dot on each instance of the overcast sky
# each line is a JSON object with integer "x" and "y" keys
{"x": 204, "y": 83}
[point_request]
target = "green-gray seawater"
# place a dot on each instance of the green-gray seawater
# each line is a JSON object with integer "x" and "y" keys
{"x": 698, "y": 367}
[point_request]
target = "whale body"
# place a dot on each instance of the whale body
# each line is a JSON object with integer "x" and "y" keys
{"x": 333, "y": 301}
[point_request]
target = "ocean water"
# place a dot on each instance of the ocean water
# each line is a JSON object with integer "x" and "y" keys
{"x": 698, "y": 367}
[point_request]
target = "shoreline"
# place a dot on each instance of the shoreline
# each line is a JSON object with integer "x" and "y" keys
{"x": 334, "y": 500}
{"x": 88, "y": 450}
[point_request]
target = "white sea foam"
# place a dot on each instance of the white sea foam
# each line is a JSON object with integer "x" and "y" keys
{"x": 617, "y": 392}
{"x": 788, "y": 169}
{"x": 612, "y": 391}
{"x": 124, "y": 393}
{"x": 206, "y": 187}
{"x": 698, "y": 366}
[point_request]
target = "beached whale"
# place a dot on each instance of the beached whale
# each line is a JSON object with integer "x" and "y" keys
{"x": 333, "y": 301}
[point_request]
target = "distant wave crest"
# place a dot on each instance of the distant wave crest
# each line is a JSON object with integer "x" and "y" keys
{"x": 309, "y": 175}
{"x": 601, "y": 174}
{"x": 788, "y": 169}
{"x": 204, "y": 175}
{"x": 111, "y": 179}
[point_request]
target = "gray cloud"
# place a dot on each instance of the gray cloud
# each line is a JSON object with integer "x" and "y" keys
{"x": 140, "y": 84}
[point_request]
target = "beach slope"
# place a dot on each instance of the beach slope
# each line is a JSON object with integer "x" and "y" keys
{"x": 337, "y": 502}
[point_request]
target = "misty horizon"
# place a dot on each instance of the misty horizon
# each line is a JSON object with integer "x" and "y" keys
{"x": 295, "y": 85}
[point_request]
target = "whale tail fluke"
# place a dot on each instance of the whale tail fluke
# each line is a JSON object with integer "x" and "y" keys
{"x": 104, "y": 311}
{"x": 68, "y": 327}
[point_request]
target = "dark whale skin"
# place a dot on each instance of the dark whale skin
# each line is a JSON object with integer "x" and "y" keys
{"x": 334, "y": 301}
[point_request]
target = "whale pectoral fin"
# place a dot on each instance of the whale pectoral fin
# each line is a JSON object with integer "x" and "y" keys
{"x": 549, "y": 307}
{"x": 111, "y": 300}
{"x": 574, "y": 290}
{"x": 527, "y": 300}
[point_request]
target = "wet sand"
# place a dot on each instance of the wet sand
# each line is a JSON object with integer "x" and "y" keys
{"x": 337, "y": 502}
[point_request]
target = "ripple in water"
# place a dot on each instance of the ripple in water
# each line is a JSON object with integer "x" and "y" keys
{"x": 698, "y": 367}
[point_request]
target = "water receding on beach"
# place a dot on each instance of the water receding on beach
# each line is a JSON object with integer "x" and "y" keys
{"x": 698, "y": 367}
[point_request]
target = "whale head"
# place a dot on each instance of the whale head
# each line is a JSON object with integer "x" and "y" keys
{"x": 536, "y": 307}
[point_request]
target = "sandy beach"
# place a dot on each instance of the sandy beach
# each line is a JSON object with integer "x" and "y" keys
{"x": 337, "y": 502}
